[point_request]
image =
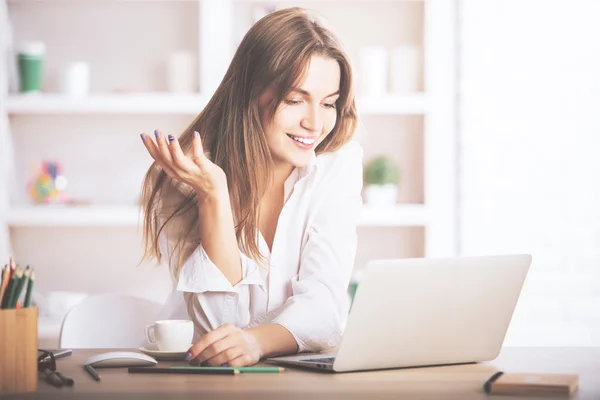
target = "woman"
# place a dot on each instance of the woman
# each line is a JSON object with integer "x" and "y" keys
{"x": 255, "y": 204}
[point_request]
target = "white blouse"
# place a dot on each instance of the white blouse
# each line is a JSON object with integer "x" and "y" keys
{"x": 304, "y": 286}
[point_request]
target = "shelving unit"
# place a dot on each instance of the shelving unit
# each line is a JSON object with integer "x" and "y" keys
{"x": 105, "y": 161}
{"x": 129, "y": 216}
{"x": 187, "y": 104}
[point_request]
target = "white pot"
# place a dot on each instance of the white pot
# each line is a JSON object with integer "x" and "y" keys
{"x": 381, "y": 195}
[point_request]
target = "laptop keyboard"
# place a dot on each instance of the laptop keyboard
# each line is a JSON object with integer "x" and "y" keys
{"x": 322, "y": 360}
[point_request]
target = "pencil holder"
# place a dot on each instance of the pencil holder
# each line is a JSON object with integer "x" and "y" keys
{"x": 18, "y": 350}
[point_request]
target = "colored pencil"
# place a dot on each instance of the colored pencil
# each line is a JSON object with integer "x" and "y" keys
{"x": 91, "y": 372}
{"x": 14, "y": 286}
{"x": 5, "y": 279}
{"x": 8, "y": 290}
{"x": 240, "y": 369}
{"x": 27, "y": 301}
{"x": 171, "y": 370}
{"x": 19, "y": 288}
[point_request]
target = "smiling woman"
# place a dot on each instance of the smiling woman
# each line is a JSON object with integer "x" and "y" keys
{"x": 254, "y": 206}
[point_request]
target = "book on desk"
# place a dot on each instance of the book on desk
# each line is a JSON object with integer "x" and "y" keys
{"x": 532, "y": 384}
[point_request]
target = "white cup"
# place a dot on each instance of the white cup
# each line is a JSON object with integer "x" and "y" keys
{"x": 373, "y": 70}
{"x": 171, "y": 334}
{"x": 76, "y": 79}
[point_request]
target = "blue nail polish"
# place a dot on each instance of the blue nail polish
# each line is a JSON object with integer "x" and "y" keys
{"x": 143, "y": 137}
{"x": 171, "y": 138}
{"x": 157, "y": 133}
{"x": 196, "y": 134}
{"x": 188, "y": 355}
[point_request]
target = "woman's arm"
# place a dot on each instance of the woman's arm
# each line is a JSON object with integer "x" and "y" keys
{"x": 217, "y": 233}
{"x": 208, "y": 180}
{"x": 274, "y": 340}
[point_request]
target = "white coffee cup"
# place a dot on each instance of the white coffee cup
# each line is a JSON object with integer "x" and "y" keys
{"x": 76, "y": 79}
{"x": 171, "y": 334}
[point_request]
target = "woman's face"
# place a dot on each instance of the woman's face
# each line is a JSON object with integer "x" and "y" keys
{"x": 306, "y": 116}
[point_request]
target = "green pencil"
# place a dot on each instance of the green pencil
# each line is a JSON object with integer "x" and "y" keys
{"x": 21, "y": 283}
{"x": 27, "y": 301}
{"x": 7, "y": 291}
{"x": 13, "y": 287}
{"x": 240, "y": 369}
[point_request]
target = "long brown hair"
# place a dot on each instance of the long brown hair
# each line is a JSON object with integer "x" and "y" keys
{"x": 273, "y": 55}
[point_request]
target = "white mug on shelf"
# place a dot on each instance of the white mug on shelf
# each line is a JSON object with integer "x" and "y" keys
{"x": 373, "y": 70}
{"x": 76, "y": 79}
{"x": 405, "y": 69}
{"x": 171, "y": 334}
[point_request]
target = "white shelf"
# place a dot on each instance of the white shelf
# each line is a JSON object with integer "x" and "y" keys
{"x": 73, "y": 216}
{"x": 138, "y": 103}
{"x": 169, "y": 103}
{"x": 36, "y": 216}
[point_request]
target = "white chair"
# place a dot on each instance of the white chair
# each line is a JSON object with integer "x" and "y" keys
{"x": 108, "y": 321}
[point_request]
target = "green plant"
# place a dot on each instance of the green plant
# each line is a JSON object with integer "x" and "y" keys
{"x": 381, "y": 171}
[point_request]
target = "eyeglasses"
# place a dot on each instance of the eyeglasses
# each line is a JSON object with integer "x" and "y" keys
{"x": 47, "y": 369}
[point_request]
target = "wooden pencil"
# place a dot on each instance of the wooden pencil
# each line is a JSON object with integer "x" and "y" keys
{"x": 27, "y": 301}
{"x": 5, "y": 279}
{"x": 19, "y": 289}
{"x": 13, "y": 287}
{"x": 9, "y": 286}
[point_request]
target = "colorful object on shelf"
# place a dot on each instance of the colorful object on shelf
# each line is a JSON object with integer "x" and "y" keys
{"x": 48, "y": 184}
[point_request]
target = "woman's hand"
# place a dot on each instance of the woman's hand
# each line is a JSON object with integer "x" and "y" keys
{"x": 205, "y": 177}
{"x": 227, "y": 344}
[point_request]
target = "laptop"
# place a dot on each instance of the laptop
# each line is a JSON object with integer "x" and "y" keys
{"x": 424, "y": 312}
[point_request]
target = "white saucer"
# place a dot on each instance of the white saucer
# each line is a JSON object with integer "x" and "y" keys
{"x": 152, "y": 350}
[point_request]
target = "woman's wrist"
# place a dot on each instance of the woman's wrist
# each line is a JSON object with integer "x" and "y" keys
{"x": 273, "y": 340}
{"x": 215, "y": 197}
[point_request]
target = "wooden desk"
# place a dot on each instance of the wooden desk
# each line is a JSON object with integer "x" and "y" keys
{"x": 449, "y": 382}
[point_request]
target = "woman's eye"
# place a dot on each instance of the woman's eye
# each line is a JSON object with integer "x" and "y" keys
{"x": 293, "y": 102}
{"x": 327, "y": 105}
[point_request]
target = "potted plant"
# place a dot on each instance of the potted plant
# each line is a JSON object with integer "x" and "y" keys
{"x": 381, "y": 179}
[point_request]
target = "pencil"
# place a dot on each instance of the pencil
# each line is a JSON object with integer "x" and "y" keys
{"x": 240, "y": 369}
{"x": 2, "y": 274}
{"x": 91, "y": 372}
{"x": 9, "y": 286}
{"x": 27, "y": 301}
{"x": 183, "y": 370}
{"x": 5, "y": 279}
{"x": 19, "y": 289}
{"x": 13, "y": 287}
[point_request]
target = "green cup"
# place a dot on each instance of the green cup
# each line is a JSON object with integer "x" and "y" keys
{"x": 30, "y": 60}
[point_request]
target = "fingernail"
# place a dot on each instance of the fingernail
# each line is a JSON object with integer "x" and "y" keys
{"x": 171, "y": 138}
{"x": 143, "y": 137}
{"x": 157, "y": 133}
{"x": 188, "y": 355}
{"x": 196, "y": 134}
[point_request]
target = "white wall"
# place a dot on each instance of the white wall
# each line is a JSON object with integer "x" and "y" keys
{"x": 529, "y": 143}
